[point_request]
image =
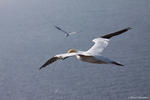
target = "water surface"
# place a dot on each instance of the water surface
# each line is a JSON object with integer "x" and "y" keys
{"x": 28, "y": 39}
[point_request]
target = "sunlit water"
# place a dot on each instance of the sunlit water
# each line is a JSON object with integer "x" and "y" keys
{"x": 28, "y": 39}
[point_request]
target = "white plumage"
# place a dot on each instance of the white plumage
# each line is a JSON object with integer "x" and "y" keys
{"x": 93, "y": 55}
{"x": 99, "y": 46}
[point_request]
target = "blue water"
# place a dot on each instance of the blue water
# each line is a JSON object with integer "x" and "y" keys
{"x": 28, "y": 39}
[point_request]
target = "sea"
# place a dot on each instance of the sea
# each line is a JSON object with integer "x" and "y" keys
{"x": 28, "y": 39}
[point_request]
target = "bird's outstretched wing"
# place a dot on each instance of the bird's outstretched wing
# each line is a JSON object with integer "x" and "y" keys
{"x": 102, "y": 42}
{"x": 98, "y": 47}
{"x": 57, "y": 57}
{"x": 51, "y": 60}
{"x": 108, "y": 36}
{"x": 66, "y": 33}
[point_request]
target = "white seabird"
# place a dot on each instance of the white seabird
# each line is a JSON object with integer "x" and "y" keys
{"x": 65, "y": 32}
{"x": 93, "y": 55}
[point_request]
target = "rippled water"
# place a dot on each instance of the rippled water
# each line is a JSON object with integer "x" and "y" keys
{"x": 28, "y": 39}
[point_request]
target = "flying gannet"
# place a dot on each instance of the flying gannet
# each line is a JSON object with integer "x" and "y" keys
{"x": 65, "y": 32}
{"x": 93, "y": 55}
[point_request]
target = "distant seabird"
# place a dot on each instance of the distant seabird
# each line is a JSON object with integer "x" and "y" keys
{"x": 66, "y": 33}
{"x": 93, "y": 55}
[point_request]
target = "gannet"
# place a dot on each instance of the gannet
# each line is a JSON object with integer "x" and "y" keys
{"x": 93, "y": 55}
{"x": 65, "y": 32}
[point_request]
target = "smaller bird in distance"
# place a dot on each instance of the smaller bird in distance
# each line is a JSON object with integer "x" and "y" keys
{"x": 65, "y": 32}
{"x": 93, "y": 55}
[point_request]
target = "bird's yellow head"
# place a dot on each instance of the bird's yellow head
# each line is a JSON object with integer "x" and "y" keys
{"x": 72, "y": 51}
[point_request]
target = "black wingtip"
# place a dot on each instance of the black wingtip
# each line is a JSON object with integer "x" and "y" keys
{"x": 116, "y": 63}
{"x": 57, "y": 27}
{"x": 108, "y": 36}
{"x": 51, "y": 60}
{"x": 41, "y": 68}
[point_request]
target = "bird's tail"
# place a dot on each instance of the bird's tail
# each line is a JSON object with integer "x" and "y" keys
{"x": 116, "y": 63}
